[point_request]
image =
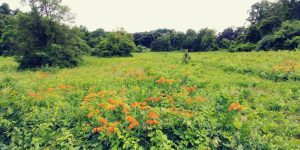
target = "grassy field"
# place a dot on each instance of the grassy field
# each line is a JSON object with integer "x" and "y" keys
{"x": 218, "y": 101}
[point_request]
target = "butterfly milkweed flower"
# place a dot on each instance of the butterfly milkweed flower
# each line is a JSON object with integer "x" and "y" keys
{"x": 235, "y": 106}
{"x": 103, "y": 121}
{"x": 111, "y": 101}
{"x": 111, "y": 129}
{"x": 32, "y": 94}
{"x": 130, "y": 119}
{"x": 133, "y": 125}
{"x": 125, "y": 110}
{"x": 134, "y": 105}
{"x": 152, "y": 115}
{"x": 163, "y": 80}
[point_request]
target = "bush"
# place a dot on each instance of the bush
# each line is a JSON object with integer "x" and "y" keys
{"x": 54, "y": 55}
{"x": 245, "y": 47}
{"x": 162, "y": 43}
{"x": 284, "y": 38}
{"x": 141, "y": 49}
{"x": 115, "y": 44}
{"x": 292, "y": 43}
{"x": 44, "y": 42}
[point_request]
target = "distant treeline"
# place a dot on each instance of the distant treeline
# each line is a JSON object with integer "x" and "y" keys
{"x": 39, "y": 37}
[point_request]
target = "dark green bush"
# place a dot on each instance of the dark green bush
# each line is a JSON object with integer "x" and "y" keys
{"x": 244, "y": 47}
{"x": 44, "y": 42}
{"x": 141, "y": 49}
{"x": 115, "y": 44}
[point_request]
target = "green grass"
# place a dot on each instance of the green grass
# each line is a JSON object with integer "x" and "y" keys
{"x": 46, "y": 109}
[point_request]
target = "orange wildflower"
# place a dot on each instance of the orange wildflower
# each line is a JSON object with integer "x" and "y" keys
{"x": 97, "y": 111}
{"x": 94, "y": 130}
{"x": 191, "y": 89}
{"x": 200, "y": 99}
{"x": 32, "y": 94}
{"x": 103, "y": 121}
{"x": 112, "y": 107}
{"x": 101, "y": 105}
{"x": 90, "y": 115}
{"x": 149, "y": 122}
{"x": 134, "y": 105}
{"x": 130, "y": 119}
{"x": 235, "y": 106}
{"x": 50, "y": 89}
{"x": 153, "y": 114}
{"x": 62, "y": 86}
{"x": 133, "y": 125}
{"x": 125, "y": 110}
{"x": 113, "y": 102}
{"x": 153, "y": 99}
{"x": 163, "y": 80}
{"x": 144, "y": 104}
{"x": 99, "y": 129}
{"x": 155, "y": 122}
{"x": 111, "y": 129}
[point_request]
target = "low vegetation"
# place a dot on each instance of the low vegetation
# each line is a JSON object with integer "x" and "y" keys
{"x": 154, "y": 101}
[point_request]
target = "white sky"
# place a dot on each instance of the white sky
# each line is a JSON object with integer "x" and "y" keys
{"x": 146, "y": 15}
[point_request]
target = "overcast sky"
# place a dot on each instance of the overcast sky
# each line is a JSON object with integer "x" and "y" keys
{"x": 146, "y": 15}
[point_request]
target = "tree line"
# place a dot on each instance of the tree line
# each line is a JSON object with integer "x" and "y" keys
{"x": 40, "y": 38}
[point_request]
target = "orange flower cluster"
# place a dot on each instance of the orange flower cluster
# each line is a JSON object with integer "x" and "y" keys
{"x": 181, "y": 112}
{"x": 235, "y": 106}
{"x": 64, "y": 86}
{"x": 109, "y": 127}
{"x": 39, "y": 95}
{"x": 89, "y": 97}
{"x": 163, "y": 80}
{"x": 200, "y": 99}
{"x": 191, "y": 89}
{"x": 141, "y": 105}
{"x": 132, "y": 121}
{"x": 34, "y": 95}
{"x": 152, "y": 118}
{"x": 154, "y": 99}
{"x": 103, "y": 121}
{"x": 125, "y": 110}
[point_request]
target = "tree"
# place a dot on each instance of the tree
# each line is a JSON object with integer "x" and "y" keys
{"x": 44, "y": 42}
{"x": 162, "y": 43}
{"x": 52, "y": 9}
{"x": 189, "y": 38}
{"x": 269, "y": 25}
{"x": 259, "y": 11}
{"x": 205, "y": 41}
{"x": 252, "y": 34}
{"x": 7, "y": 40}
{"x": 117, "y": 43}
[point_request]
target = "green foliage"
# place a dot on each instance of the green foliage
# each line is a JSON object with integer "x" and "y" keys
{"x": 222, "y": 101}
{"x": 115, "y": 44}
{"x": 205, "y": 41}
{"x": 141, "y": 49}
{"x": 43, "y": 42}
{"x": 162, "y": 43}
{"x": 243, "y": 47}
{"x": 284, "y": 38}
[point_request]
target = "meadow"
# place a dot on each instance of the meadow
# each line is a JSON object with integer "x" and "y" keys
{"x": 219, "y": 100}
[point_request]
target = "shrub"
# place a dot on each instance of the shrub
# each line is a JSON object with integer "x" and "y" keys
{"x": 54, "y": 55}
{"x": 245, "y": 47}
{"x": 162, "y": 43}
{"x": 44, "y": 42}
{"x": 115, "y": 44}
{"x": 141, "y": 49}
{"x": 292, "y": 43}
